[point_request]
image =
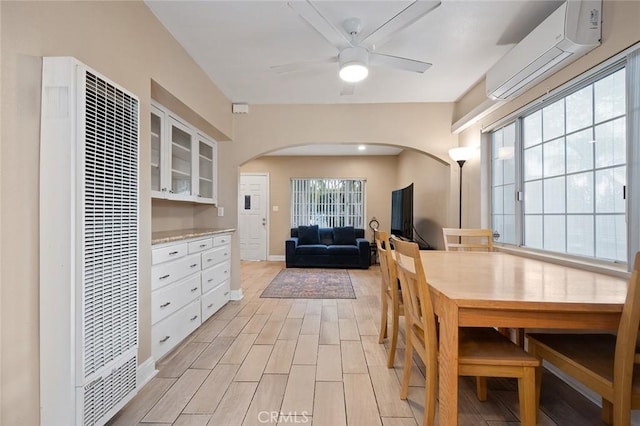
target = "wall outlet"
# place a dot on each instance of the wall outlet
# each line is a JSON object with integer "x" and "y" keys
{"x": 220, "y": 211}
{"x": 276, "y": 208}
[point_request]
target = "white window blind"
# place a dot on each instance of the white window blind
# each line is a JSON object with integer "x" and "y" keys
{"x": 327, "y": 202}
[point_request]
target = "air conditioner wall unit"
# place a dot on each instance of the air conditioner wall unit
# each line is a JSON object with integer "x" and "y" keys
{"x": 568, "y": 33}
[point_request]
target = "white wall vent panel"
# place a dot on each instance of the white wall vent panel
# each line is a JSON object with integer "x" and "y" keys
{"x": 88, "y": 245}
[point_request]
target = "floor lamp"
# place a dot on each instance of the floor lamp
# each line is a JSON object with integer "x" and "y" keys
{"x": 460, "y": 155}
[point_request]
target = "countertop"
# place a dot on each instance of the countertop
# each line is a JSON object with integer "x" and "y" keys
{"x": 183, "y": 234}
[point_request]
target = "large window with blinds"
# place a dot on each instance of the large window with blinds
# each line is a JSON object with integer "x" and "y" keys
{"x": 559, "y": 171}
{"x": 327, "y": 202}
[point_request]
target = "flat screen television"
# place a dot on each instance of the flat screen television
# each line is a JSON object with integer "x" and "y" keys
{"x": 402, "y": 213}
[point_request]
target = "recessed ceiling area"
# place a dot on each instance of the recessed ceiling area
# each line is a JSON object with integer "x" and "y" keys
{"x": 338, "y": 149}
{"x": 237, "y": 44}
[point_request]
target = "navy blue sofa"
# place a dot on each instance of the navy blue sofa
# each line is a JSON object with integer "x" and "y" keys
{"x": 339, "y": 247}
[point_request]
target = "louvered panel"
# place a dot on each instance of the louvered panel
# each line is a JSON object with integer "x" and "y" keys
{"x": 101, "y": 395}
{"x": 110, "y": 229}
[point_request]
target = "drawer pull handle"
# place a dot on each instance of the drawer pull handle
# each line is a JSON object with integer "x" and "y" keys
{"x": 226, "y": 254}
{"x": 173, "y": 253}
{"x": 226, "y": 272}
{"x": 209, "y": 260}
{"x": 193, "y": 266}
{"x": 193, "y": 318}
{"x": 164, "y": 305}
{"x": 203, "y": 245}
{"x": 209, "y": 280}
{"x": 194, "y": 289}
{"x": 210, "y": 305}
{"x": 164, "y": 339}
{"x": 226, "y": 293}
{"x": 164, "y": 277}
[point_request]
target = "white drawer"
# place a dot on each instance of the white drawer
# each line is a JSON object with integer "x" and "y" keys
{"x": 169, "y": 272}
{"x": 172, "y": 297}
{"x": 200, "y": 245}
{"x": 169, "y": 332}
{"x": 215, "y": 299}
{"x": 215, "y": 256}
{"x": 163, "y": 254}
{"x": 215, "y": 275}
{"x": 221, "y": 240}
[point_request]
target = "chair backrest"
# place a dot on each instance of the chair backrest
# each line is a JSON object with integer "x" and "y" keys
{"x": 467, "y": 239}
{"x": 627, "y": 335}
{"x": 416, "y": 295}
{"x": 387, "y": 266}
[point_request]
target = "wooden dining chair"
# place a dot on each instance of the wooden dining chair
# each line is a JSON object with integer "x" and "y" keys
{"x": 467, "y": 239}
{"x": 606, "y": 363}
{"x": 390, "y": 296}
{"x": 482, "y": 352}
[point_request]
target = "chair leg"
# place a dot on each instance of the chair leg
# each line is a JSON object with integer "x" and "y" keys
{"x": 406, "y": 373}
{"x": 527, "y": 397}
{"x": 431, "y": 394}
{"x": 532, "y": 349}
{"x": 481, "y": 388}
{"x": 383, "y": 318}
{"x": 395, "y": 317}
{"x": 607, "y": 412}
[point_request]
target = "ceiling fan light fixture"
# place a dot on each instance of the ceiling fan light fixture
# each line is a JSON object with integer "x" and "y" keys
{"x": 353, "y": 64}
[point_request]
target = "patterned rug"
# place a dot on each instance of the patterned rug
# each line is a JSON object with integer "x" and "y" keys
{"x": 300, "y": 283}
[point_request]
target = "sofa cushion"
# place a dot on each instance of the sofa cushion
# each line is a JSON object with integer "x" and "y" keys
{"x": 311, "y": 249}
{"x": 308, "y": 235}
{"x": 344, "y": 235}
{"x": 343, "y": 250}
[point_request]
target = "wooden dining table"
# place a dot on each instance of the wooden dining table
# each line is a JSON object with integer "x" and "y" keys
{"x": 495, "y": 289}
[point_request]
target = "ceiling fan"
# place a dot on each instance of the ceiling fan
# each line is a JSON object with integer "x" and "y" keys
{"x": 357, "y": 50}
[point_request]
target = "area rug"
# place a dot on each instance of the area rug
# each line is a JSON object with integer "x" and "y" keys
{"x": 300, "y": 283}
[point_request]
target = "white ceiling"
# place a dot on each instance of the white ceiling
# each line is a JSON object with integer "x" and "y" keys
{"x": 236, "y": 43}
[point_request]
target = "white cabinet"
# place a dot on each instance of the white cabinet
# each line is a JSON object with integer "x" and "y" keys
{"x": 190, "y": 281}
{"x": 184, "y": 160}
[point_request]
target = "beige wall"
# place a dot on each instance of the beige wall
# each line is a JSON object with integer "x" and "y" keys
{"x": 431, "y": 197}
{"x": 125, "y": 42}
{"x": 620, "y": 30}
{"x": 424, "y": 128}
{"x": 379, "y": 171}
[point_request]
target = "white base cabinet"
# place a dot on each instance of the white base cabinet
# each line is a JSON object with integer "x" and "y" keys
{"x": 190, "y": 281}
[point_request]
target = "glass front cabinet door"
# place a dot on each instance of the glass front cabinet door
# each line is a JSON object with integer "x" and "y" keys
{"x": 183, "y": 160}
{"x": 207, "y": 176}
{"x": 158, "y": 186}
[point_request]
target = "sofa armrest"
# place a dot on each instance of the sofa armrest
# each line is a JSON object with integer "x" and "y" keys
{"x": 364, "y": 248}
{"x": 290, "y": 250}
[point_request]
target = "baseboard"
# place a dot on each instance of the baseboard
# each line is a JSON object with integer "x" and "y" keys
{"x": 236, "y": 295}
{"x": 146, "y": 371}
{"x": 276, "y": 258}
{"x": 582, "y": 389}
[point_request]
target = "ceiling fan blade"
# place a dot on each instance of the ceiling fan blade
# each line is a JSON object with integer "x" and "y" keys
{"x": 396, "y": 62}
{"x": 399, "y": 22}
{"x": 302, "y": 65}
{"x": 348, "y": 89}
{"x": 318, "y": 22}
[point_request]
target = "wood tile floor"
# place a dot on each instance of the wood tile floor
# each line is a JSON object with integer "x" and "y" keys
{"x": 316, "y": 362}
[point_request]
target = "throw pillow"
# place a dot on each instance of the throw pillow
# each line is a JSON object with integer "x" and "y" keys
{"x": 308, "y": 235}
{"x": 344, "y": 236}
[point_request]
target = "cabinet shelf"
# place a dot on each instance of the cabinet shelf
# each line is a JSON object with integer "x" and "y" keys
{"x": 204, "y": 179}
{"x": 180, "y": 173}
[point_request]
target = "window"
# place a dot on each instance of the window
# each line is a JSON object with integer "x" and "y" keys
{"x": 566, "y": 161}
{"x": 327, "y": 202}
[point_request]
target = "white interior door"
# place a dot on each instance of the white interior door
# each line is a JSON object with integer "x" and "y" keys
{"x": 253, "y": 217}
